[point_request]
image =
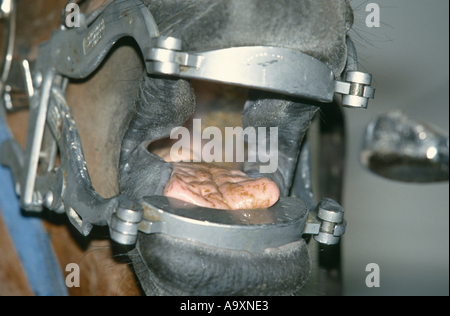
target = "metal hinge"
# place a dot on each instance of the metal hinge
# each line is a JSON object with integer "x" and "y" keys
{"x": 164, "y": 56}
{"x": 356, "y": 89}
{"x": 326, "y": 222}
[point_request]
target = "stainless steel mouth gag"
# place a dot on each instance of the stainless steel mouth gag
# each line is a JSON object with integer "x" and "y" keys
{"x": 77, "y": 52}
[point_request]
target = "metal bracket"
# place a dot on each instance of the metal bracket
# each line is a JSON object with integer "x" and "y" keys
{"x": 326, "y": 222}
{"x": 68, "y": 188}
{"x": 356, "y": 89}
{"x": 252, "y": 230}
{"x": 73, "y": 53}
{"x": 274, "y": 69}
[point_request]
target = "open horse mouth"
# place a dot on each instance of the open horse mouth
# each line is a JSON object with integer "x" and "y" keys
{"x": 168, "y": 265}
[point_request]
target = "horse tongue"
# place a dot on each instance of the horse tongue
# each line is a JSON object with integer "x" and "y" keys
{"x": 212, "y": 186}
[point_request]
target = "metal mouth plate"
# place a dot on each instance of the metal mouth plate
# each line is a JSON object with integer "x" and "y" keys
{"x": 252, "y": 230}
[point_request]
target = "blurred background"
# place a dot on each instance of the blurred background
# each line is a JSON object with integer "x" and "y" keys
{"x": 402, "y": 227}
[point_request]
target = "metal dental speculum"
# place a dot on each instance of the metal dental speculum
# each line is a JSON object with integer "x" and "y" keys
{"x": 77, "y": 52}
{"x": 274, "y": 69}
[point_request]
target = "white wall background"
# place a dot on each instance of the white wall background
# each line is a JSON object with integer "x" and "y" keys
{"x": 402, "y": 227}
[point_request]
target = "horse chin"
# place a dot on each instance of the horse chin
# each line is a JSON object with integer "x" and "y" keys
{"x": 172, "y": 266}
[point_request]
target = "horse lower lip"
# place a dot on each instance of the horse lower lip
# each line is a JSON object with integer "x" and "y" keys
{"x": 170, "y": 266}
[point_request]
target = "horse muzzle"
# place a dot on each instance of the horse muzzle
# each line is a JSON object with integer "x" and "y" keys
{"x": 169, "y": 231}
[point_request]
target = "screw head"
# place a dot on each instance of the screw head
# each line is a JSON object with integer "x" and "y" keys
{"x": 330, "y": 211}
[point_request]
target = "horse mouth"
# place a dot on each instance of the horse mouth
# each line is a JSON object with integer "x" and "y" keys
{"x": 167, "y": 265}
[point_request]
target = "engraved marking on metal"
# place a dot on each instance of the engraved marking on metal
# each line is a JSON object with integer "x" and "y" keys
{"x": 94, "y": 36}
